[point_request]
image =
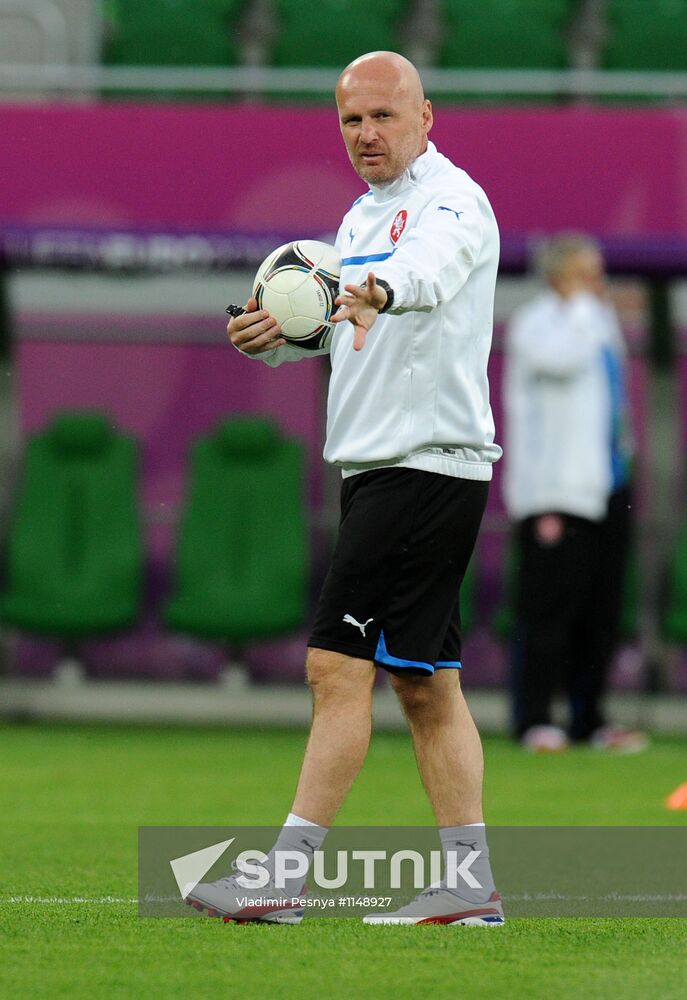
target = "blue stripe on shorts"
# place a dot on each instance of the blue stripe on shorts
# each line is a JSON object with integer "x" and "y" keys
{"x": 383, "y": 656}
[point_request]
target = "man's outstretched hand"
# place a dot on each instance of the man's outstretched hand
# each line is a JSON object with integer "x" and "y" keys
{"x": 360, "y": 305}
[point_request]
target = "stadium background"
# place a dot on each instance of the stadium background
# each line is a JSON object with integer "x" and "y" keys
{"x": 134, "y": 208}
{"x": 151, "y": 155}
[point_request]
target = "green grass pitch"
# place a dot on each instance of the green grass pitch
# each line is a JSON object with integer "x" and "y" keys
{"x": 73, "y": 798}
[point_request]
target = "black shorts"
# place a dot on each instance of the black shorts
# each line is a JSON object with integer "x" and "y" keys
{"x": 392, "y": 591}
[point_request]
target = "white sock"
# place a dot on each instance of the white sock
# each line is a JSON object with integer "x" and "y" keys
{"x": 461, "y": 840}
{"x": 303, "y": 836}
{"x": 293, "y": 820}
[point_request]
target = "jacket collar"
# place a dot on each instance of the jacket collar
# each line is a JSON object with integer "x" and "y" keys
{"x": 417, "y": 171}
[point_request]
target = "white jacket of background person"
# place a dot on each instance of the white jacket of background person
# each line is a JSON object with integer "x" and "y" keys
{"x": 417, "y": 394}
{"x": 558, "y": 406}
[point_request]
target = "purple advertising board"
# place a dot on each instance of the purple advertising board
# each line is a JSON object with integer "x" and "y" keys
{"x": 219, "y": 181}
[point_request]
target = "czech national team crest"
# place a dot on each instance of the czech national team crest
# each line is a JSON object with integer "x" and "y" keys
{"x": 398, "y": 225}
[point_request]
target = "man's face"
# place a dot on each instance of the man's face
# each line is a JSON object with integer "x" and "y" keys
{"x": 384, "y": 126}
{"x": 582, "y": 271}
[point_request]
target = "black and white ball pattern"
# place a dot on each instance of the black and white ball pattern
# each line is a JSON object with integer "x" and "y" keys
{"x": 298, "y": 284}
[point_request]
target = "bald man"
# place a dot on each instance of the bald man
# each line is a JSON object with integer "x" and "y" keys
{"x": 410, "y": 426}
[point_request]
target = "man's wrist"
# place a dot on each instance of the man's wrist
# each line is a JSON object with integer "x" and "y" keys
{"x": 389, "y": 295}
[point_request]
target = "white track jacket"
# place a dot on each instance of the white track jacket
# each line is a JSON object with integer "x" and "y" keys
{"x": 417, "y": 394}
{"x": 559, "y": 406}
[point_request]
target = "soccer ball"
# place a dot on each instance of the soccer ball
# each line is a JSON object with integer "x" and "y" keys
{"x": 297, "y": 284}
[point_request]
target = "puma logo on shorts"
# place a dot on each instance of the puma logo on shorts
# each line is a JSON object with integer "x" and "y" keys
{"x": 350, "y": 620}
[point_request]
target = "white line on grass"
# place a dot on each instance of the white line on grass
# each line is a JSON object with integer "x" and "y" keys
{"x": 515, "y": 897}
{"x": 537, "y": 897}
{"x": 65, "y": 899}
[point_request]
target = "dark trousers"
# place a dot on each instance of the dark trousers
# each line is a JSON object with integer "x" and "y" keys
{"x": 568, "y": 605}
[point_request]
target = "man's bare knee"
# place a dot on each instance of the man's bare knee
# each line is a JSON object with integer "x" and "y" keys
{"x": 335, "y": 676}
{"x": 422, "y": 695}
{"x": 414, "y": 693}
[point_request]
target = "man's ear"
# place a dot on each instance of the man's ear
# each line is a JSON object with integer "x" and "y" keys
{"x": 427, "y": 116}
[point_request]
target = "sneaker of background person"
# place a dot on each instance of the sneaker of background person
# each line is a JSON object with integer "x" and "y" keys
{"x": 619, "y": 740}
{"x": 545, "y": 739}
{"x": 440, "y": 905}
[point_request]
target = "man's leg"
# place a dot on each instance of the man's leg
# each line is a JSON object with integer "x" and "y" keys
{"x": 449, "y": 757}
{"x": 550, "y": 592}
{"x": 448, "y": 749}
{"x": 598, "y": 637}
{"x": 339, "y": 736}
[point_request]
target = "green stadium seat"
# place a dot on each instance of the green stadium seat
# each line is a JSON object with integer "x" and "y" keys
{"x": 629, "y": 611}
{"x": 334, "y": 32}
{"x": 503, "y": 620}
{"x": 675, "y": 621}
{"x": 74, "y": 556}
{"x": 171, "y": 33}
{"x": 241, "y": 569}
{"x": 505, "y": 34}
{"x": 646, "y": 35}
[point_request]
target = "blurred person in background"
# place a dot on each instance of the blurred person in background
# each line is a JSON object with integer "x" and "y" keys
{"x": 567, "y": 488}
